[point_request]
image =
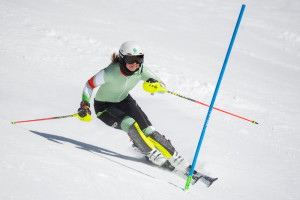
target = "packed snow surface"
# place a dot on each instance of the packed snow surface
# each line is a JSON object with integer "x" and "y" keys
{"x": 50, "y": 48}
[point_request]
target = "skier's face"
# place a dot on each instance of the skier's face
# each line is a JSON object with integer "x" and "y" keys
{"x": 133, "y": 62}
{"x": 132, "y": 67}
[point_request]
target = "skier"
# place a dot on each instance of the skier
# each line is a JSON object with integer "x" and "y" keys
{"x": 116, "y": 108}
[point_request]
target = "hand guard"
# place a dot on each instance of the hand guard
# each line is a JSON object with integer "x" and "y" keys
{"x": 84, "y": 109}
{"x": 152, "y": 86}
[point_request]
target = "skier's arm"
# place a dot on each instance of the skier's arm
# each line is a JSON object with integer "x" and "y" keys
{"x": 84, "y": 112}
{"x": 91, "y": 84}
{"x": 153, "y": 81}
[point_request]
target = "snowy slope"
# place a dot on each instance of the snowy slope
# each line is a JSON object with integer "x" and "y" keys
{"x": 48, "y": 49}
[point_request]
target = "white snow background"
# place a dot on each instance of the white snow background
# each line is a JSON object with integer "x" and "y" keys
{"x": 49, "y": 49}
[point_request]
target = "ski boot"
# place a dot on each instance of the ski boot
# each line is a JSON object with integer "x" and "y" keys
{"x": 156, "y": 157}
{"x": 179, "y": 162}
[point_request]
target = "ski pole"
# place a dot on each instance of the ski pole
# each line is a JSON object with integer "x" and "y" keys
{"x": 173, "y": 93}
{"x": 214, "y": 97}
{"x": 59, "y": 117}
{"x": 153, "y": 87}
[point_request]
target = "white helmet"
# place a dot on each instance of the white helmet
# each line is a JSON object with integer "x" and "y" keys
{"x": 130, "y": 48}
{"x": 130, "y": 52}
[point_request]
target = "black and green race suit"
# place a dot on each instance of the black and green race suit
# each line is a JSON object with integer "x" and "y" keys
{"x": 113, "y": 104}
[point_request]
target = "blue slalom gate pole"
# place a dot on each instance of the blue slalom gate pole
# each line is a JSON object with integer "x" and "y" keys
{"x": 214, "y": 97}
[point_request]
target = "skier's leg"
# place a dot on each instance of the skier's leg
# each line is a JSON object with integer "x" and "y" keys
{"x": 162, "y": 144}
{"x": 116, "y": 115}
{"x": 132, "y": 109}
{"x": 139, "y": 139}
{"x": 168, "y": 150}
{"x": 170, "y": 158}
{"x": 109, "y": 114}
{"x": 145, "y": 145}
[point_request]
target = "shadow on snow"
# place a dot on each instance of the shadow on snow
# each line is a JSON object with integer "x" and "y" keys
{"x": 85, "y": 146}
{"x": 97, "y": 150}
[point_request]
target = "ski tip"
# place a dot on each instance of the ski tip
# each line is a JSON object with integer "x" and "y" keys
{"x": 254, "y": 122}
{"x": 13, "y": 122}
{"x": 212, "y": 182}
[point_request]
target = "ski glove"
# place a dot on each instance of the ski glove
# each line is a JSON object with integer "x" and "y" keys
{"x": 84, "y": 109}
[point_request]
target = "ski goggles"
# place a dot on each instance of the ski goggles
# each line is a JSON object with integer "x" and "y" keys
{"x": 134, "y": 59}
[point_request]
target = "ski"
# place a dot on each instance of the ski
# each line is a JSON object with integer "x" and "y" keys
{"x": 206, "y": 180}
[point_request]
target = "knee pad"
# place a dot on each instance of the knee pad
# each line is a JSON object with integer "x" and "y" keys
{"x": 162, "y": 144}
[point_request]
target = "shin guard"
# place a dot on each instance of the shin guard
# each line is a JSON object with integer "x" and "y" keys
{"x": 139, "y": 139}
{"x": 162, "y": 144}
